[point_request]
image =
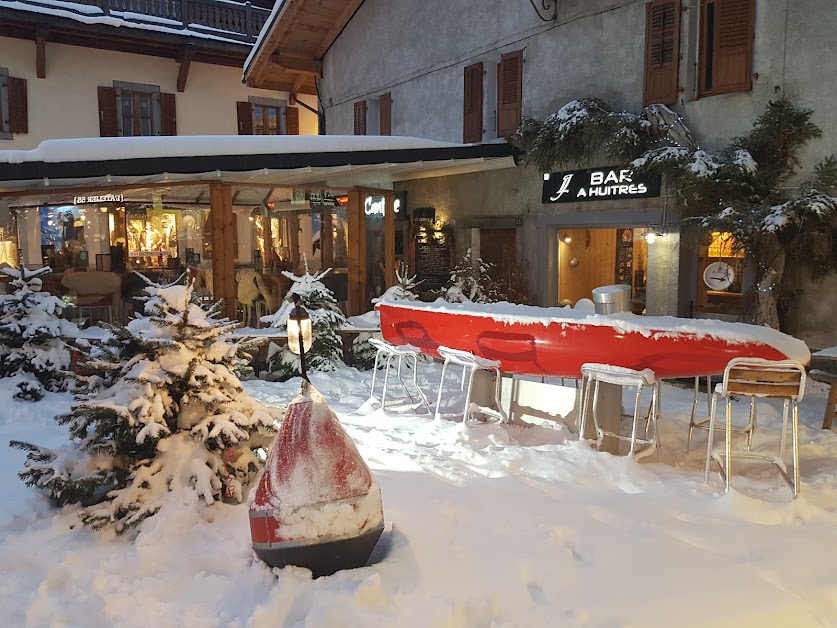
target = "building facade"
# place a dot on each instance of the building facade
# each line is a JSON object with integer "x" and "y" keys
{"x": 468, "y": 72}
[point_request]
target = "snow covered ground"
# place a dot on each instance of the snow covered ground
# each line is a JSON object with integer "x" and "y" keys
{"x": 486, "y": 526}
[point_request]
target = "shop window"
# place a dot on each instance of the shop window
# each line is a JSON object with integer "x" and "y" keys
{"x": 360, "y": 117}
{"x": 135, "y": 109}
{"x": 721, "y": 274}
{"x": 726, "y": 46}
{"x": 662, "y": 51}
{"x": 509, "y": 93}
{"x": 262, "y": 116}
{"x": 472, "y": 104}
{"x": 62, "y": 235}
{"x": 152, "y": 238}
{"x": 14, "y": 105}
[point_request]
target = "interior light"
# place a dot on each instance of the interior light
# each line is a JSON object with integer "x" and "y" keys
{"x": 567, "y": 238}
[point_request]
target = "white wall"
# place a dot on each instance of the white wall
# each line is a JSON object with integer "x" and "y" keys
{"x": 64, "y": 104}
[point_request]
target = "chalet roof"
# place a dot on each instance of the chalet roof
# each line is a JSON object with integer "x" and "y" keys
{"x": 303, "y": 30}
{"x": 261, "y": 168}
{"x": 218, "y": 31}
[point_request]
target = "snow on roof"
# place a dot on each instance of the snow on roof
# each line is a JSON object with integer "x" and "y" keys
{"x": 111, "y": 148}
{"x": 88, "y": 14}
{"x": 733, "y": 333}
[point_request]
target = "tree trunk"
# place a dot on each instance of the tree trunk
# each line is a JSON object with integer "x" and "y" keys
{"x": 771, "y": 261}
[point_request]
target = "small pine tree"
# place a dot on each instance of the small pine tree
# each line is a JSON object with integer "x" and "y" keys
{"x": 32, "y": 335}
{"x": 326, "y": 352}
{"x": 472, "y": 282}
{"x": 170, "y": 416}
{"x": 405, "y": 290}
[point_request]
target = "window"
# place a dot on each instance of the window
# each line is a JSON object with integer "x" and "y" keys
{"x": 263, "y": 116}
{"x": 135, "y": 109}
{"x": 509, "y": 93}
{"x": 14, "y": 106}
{"x": 662, "y": 52}
{"x": 726, "y": 46}
{"x": 360, "y": 117}
{"x": 472, "y": 104}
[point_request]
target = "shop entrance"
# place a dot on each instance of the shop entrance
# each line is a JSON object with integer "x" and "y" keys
{"x": 589, "y": 258}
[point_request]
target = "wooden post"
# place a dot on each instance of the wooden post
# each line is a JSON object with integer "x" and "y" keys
{"x": 326, "y": 238}
{"x": 293, "y": 240}
{"x": 223, "y": 250}
{"x": 389, "y": 239}
{"x": 356, "y": 253}
{"x": 267, "y": 234}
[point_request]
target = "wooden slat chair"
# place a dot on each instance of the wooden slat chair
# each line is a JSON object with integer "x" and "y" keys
{"x": 762, "y": 379}
{"x": 703, "y": 424}
{"x": 831, "y": 403}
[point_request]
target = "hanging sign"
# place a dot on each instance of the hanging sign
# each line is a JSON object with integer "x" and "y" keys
{"x": 424, "y": 215}
{"x": 102, "y": 198}
{"x": 598, "y": 184}
{"x": 321, "y": 198}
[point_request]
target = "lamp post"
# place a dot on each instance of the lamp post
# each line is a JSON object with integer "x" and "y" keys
{"x": 299, "y": 333}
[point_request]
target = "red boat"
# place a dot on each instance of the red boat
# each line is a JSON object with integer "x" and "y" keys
{"x": 555, "y": 342}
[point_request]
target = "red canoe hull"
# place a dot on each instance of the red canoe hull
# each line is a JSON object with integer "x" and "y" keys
{"x": 558, "y": 349}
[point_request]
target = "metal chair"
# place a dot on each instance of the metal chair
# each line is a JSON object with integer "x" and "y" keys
{"x": 470, "y": 364}
{"x": 703, "y": 424}
{"x": 594, "y": 374}
{"x": 401, "y": 353}
{"x": 763, "y": 379}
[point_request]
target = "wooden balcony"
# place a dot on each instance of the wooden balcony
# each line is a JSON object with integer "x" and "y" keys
{"x": 230, "y": 20}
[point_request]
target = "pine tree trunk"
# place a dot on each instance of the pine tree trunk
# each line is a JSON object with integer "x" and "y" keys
{"x": 772, "y": 259}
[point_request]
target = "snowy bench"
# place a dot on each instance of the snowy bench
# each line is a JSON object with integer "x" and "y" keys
{"x": 831, "y": 402}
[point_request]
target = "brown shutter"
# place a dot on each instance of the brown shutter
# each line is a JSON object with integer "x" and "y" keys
{"x": 662, "y": 52}
{"x": 360, "y": 117}
{"x": 245, "y": 118}
{"x": 108, "y": 126}
{"x": 509, "y": 93}
{"x": 385, "y": 106}
{"x": 733, "y": 53}
{"x": 472, "y": 103}
{"x": 292, "y": 120}
{"x": 18, "y": 106}
{"x": 168, "y": 115}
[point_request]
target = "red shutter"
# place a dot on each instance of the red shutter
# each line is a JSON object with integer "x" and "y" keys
{"x": 472, "y": 103}
{"x": 360, "y": 117}
{"x": 662, "y": 51}
{"x": 108, "y": 126}
{"x": 18, "y": 106}
{"x": 733, "y": 54}
{"x": 509, "y": 93}
{"x": 292, "y": 120}
{"x": 245, "y": 118}
{"x": 385, "y": 106}
{"x": 168, "y": 115}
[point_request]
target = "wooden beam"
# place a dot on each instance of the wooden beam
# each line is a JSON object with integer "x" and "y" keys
{"x": 326, "y": 238}
{"x": 284, "y": 23}
{"x": 40, "y": 50}
{"x": 186, "y": 56}
{"x": 267, "y": 233}
{"x": 223, "y": 252}
{"x": 326, "y": 40}
{"x": 293, "y": 239}
{"x": 302, "y": 65}
{"x": 356, "y": 254}
{"x": 389, "y": 239}
{"x": 299, "y": 83}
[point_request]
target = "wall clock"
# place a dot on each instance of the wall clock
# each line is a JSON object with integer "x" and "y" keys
{"x": 718, "y": 276}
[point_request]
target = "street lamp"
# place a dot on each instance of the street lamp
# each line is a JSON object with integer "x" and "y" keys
{"x": 300, "y": 335}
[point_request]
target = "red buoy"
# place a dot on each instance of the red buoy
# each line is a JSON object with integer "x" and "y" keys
{"x": 317, "y": 504}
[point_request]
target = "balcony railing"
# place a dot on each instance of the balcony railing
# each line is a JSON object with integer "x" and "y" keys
{"x": 216, "y": 17}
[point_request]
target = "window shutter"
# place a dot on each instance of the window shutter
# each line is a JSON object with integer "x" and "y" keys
{"x": 168, "y": 115}
{"x": 509, "y": 93}
{"x": 472, "y": 103}
{"x": 662, "y": 52}
{"x": 733, "y": 53}
{"x": 18, "y": 106}
{"x": 108, "y": 126}
{"x": 292, "y": 120}
{"x": 360, "y": 117}
{"x": 385, "y": 106}
{"x": 245, "y": 118}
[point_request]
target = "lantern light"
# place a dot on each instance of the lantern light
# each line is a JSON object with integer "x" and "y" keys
{"x": 651, "y": 235}
{"x": 300, "y": 333}
{"x": 567, "y": 238}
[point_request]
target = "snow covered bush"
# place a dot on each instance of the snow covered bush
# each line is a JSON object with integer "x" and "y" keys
{"x": 326, "y": 352}
{"x": 32, "y": 335}
{"x": 170, "y": 417}
{"x": 473, "y": 281}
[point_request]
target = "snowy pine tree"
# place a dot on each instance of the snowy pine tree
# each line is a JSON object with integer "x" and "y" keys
{"x": 170, "y": 417}
{"x": 32, "y": 333}
{"x": 472, "y": 281}
{"x": 326, "y": 352}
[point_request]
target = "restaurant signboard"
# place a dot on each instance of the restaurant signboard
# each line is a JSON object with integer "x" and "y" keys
{"x": 598, "y": 184}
